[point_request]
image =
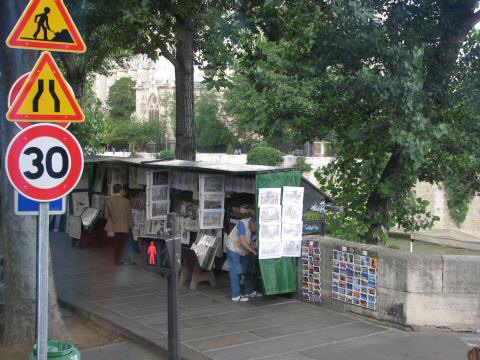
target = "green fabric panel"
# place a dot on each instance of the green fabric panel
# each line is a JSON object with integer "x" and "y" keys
{"x": 279, "y": 276}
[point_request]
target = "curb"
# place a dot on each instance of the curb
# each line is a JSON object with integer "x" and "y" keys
{"x": 141, "y": 335}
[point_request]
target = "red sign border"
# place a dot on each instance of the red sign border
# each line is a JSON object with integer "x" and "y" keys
{"x": 12, "y": 95}
{"x": 45, "y": 58}
{"x": 12, "y": 162}
{"x": 14, "y": 41}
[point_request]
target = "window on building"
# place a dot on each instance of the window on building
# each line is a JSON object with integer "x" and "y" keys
{"x": 154, "y": 113}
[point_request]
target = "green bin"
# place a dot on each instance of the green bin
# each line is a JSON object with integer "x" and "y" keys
{"x": 58, "y": 350}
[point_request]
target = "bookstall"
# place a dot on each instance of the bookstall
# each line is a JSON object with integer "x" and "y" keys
{"x": 201, "y": 202}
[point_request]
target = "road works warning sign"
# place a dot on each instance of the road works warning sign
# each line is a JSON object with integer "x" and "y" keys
{"x": 46, "y": 25}
{"x": 45, "y": 96}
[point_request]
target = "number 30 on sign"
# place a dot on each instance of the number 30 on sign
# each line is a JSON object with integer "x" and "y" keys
{"x": 44, "y": 162}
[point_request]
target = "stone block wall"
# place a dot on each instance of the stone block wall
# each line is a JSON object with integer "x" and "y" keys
{"x": 412, "y": 290}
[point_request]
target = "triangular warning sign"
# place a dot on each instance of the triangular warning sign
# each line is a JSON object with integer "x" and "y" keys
{"x": 46, "y": 25}
{"x": 45, "y": 96}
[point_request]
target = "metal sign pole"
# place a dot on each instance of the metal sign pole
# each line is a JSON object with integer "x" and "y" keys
{"x": 172, "y": 285}
{"x": 42, "y": 281}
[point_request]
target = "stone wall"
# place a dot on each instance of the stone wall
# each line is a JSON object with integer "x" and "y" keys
{"x": 412, "y": 290}
{"x": 436, "y": 195}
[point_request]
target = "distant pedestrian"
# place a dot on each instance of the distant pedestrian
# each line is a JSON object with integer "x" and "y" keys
{"x": 119, "y": 221}
{"x": 42, "y": 21}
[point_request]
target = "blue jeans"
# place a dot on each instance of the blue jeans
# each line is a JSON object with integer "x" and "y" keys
{"x": 241, "y": 265}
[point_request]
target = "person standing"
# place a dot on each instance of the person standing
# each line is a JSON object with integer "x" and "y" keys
{"x": 241, "y": 255}
{"x": 119, "y": 221}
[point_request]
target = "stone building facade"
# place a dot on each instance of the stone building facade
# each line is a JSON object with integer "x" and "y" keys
{"x": 155, "y": 80}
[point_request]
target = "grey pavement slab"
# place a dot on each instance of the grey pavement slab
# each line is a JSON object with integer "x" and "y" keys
{"x": 133, "y": 302}
{"x": 216, "y": 329}
{"x": 121, "y": 351}
{"x": 222, "y": 341}
{"x": 394, "y": 345}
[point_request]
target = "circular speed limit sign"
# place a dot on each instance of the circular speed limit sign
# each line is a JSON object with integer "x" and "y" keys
{"x": 44, "y": 162}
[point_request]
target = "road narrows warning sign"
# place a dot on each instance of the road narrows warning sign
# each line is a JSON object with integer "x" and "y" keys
{"x": 45, "y": 96}
{"x": 12, "y": 95}
{"x": 46, "y": 25}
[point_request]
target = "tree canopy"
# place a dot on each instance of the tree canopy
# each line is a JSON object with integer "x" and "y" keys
{"x": 390, "y": 82}
{"x": 211, "y": 132}
{"x": 121, "y": 99}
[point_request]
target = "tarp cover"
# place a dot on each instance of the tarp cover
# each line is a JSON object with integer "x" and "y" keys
{"x": 279, "y": 276}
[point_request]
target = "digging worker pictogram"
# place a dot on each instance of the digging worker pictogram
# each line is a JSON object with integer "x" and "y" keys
{"x": 42, "y": 21}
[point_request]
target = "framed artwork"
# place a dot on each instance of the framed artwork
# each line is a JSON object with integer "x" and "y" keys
{"x": 159, "y": 193}
{"x": 133, "y": 178}
{"x": 75, "y": 227}
{"x": 211, "y": 183}
{"x": 270, "y": 215}
{"x": 291, "y": 248}
{"x": 83, "y": 183}
{"x": 293, "y": 195}
{"x": 212, "y": 201}
{"x": 156, "y": 178}
{"x": 269, "y": 197}
{"x": 292, "y": 214}
{"x": 292, "y": 232}
{"x": 269, "y": 250}
{"x": 269, "y": 234}
{"x": 211, "y": 219}
{"x": 100, "y": 173}
{"x": 79, "y": 202}
{"x": 158, "y": 210}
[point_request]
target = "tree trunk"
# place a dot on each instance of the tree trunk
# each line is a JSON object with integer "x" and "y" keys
{"x": 185, "y": 147}
{"x": 378, "y": 204}
{"x": 18, "y": 233}
{"x": 457, "y": 19}
{"x": 76, "y": 76}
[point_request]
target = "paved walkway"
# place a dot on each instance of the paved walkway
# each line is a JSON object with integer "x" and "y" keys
{"x": 133, "y": 302}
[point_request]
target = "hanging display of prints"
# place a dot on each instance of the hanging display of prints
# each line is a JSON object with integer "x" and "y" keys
{"x": 311, "y": 272}
{"x": 292, "y": 212}
{"x": 270, "y": 223}
{"x": 158, "y": 194}
{"x": 354, "y": 277}
{"x": 211, "y": 201}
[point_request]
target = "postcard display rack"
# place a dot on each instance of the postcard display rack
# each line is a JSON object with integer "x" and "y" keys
{"x": 311, "y": 272}
{"x": 354, "y": 277}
